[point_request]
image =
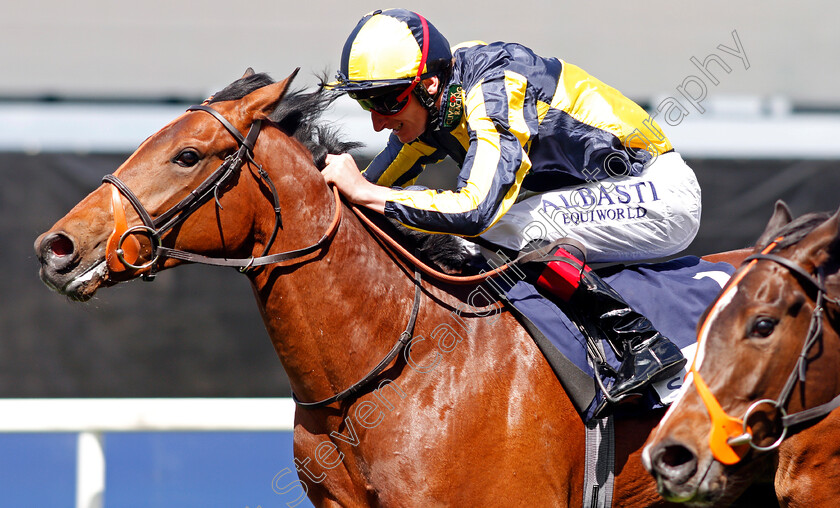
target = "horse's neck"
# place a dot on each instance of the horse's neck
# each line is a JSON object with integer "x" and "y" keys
{"x": 334, "y": 313}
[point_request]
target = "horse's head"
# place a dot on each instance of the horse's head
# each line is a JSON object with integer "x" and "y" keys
{"x": 195, "y": 185}
{"x": 747, "y": 374}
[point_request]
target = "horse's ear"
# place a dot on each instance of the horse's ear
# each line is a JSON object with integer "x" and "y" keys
{"x": 248, "y": 72}
{"x": 781, "y": 216}
{"x": 821, "y": 244}
{"x": 263, "y": 101}
{"x": 831, "y": 265}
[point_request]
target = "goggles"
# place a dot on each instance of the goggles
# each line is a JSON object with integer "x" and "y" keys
{"x": 388, "y": 103}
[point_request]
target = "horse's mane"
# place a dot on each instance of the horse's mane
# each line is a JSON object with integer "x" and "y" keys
{"x": 450, "y": 254}
{"x": 299, "y": 115}
{"x": 797, "y": 229}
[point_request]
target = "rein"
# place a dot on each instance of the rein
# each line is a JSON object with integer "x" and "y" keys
{"x": 123, "y": 248}
{"x": 543, "y": 254}
{"x": 727, "y": 431}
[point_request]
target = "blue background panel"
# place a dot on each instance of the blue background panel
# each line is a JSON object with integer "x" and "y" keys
{"x": 38, "y": 470}
{"x": 154, "y": 470}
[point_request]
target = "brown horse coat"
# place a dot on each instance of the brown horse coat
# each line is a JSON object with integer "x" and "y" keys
{"x": 475, "y": 418}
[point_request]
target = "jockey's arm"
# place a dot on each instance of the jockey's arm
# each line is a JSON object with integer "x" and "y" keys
{"x": 500, "y": 123}
{"x": 341, "y": 171}
{"x": 495, "y": 165}
{"x": 398, "y": 165}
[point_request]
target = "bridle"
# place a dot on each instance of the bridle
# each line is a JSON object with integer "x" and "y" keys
{"x": 123, "y": 247}
{"x": 727, "y": 431}
{"x": 210, "y": 187}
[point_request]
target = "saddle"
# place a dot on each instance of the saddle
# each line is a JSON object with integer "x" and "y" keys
{"x": 672, "y": 294}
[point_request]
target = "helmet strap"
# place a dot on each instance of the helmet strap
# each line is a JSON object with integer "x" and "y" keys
{"x": 428, "y": 102}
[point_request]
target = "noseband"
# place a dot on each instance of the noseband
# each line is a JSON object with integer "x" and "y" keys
{"x": 154, "y": 229}
{"x": 724, "y": 433}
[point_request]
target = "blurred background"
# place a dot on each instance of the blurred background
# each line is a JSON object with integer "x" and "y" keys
{"x": 749, "y": 90}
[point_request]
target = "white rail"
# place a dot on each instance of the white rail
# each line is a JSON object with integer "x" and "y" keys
{"x": 729, "y": 128}
{"x": 90, "y": 418}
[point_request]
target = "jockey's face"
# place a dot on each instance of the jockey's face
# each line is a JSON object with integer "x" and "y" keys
{"x": 408, "y": 124}
{"x": 412, "y": 121}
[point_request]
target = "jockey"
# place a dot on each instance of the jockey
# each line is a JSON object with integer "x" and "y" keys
{"x": 546, "y": 151}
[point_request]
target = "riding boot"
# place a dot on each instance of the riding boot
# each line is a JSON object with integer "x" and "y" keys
{"x": 645, "y": 354}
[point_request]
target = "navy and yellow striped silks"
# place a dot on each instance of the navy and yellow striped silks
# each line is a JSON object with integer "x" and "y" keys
{"x": 529, "y": 123}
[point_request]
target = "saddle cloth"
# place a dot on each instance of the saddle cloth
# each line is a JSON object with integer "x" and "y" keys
{"x": 672, "y": 295}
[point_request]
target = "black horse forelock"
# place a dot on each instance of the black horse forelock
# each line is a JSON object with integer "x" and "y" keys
{"x": 298, "y": 114}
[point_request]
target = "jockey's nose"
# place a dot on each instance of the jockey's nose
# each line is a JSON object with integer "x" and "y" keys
{"x": 378, "y": 121}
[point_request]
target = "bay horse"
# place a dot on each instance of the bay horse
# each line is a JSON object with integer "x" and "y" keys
{"x": 759, "y": 398}
{"x": 474, "y": 416}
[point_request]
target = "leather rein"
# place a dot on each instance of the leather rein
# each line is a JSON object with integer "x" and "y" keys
{"x": 155, "y": 228}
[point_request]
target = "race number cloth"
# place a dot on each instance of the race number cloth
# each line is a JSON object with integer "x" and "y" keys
{"x": 673, "y": 295}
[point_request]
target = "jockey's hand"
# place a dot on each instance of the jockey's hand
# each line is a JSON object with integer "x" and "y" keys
{"x": 341, "y": 171}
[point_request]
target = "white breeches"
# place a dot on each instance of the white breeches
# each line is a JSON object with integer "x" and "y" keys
{"x": 652, "y": 215}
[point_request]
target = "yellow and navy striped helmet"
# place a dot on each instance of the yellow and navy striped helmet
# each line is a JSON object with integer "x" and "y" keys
{"x": 391, "y": 48}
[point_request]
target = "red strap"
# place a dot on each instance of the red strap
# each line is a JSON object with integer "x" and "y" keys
{"x": 424, "y": 53}
{"x": 562, "y": 278}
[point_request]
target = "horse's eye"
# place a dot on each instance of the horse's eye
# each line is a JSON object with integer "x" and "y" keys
{"x": 763, "y": 327}
{"x": 187, "y": 159}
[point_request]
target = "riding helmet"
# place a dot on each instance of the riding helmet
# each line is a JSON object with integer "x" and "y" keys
{"x": 386, "y": 49}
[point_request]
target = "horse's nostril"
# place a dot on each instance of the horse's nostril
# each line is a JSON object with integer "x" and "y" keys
{"x": 675, "y": 456}
{"x": 60, "y": 245}
{"x": 676, "y": 462}
{"x": 58, "y": 250}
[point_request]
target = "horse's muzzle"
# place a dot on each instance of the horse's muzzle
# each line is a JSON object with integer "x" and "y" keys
{"x": 680, "y": 477}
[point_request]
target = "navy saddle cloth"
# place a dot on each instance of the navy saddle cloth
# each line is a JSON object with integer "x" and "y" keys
{"x": 673, "y": 295}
